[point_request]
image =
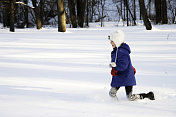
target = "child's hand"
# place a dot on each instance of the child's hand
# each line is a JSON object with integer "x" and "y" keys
{"x": 114, "y": 72}
{"x": 134, "y": 70}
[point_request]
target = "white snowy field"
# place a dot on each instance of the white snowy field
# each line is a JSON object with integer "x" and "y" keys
{"x": 44, "y": 73}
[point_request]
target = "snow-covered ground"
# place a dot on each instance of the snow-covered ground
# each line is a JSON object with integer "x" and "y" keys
{"x": 44, "y": 73}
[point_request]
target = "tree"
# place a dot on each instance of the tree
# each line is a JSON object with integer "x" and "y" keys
{"x": 102, "y": 11}
{"x": 41, "y": 11}
{"x": 37, "y": 14}
{"x": 6, "y": 12}
{"x": 12, "y": 15}
{"x": 161, "y": 11}
{"x": 92, "y": 9}
{"x": 158, "y": 11}
{"x": 134, "y": 3}
{"x": 150, "y": 9}
{"x": 172, "y": 9}
{"x": 61, "y": 16}
{"x": 71, "y": 5}
{"x": 81, "y": 5}
{"x": 20, "y": 14}
{"x": 164, "y": 12}
{"x": 126, "y": 3}
{"x": 147, "y": 23}
{"x": 127, "y": 9}
{"x": 87, "y": 17}
{"x": 26, "y": 14}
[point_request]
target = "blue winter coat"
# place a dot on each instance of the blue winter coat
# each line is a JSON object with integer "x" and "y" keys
{"x": 125, "y": 73}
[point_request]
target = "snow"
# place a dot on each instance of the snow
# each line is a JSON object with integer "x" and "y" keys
{"x": 49, "y": 74}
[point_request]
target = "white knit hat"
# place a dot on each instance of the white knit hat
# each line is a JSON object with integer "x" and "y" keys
{"x": 117, "y": 37}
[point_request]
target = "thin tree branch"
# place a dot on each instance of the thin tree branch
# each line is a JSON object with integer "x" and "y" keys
{"x": 22, "y": 3}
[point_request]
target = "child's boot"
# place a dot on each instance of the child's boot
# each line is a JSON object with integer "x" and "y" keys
{"x": 112, "y": 93}
{"x": 134, "y": 97}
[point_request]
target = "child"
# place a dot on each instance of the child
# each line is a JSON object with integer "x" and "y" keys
{"x": 122, "y": 70}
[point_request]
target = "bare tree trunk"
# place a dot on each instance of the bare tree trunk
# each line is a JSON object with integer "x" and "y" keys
{"x": 121, "y": 6}
{"x": 158, "y": 11}
{"x": 1, "y": 11}
{"x": 124, "y": 10}
{"x": 41, "y": 10}
{"x": 12, "y": 15}
{"x": 134, "y": 12}
{"x": 164, "y": 12}
{"x": 71, "y": 5}
{"x": 92, "y": 11}
{"x": 173, "y": 11}
{"x": 119, "y": 9}
{"x": 81, "y": 12}
{"x": 4, "y": 14}
{"x": 37, "y": 14}
{"x": 127, "y": 9}
{"x": 174, "y": 17}
{"x": 87, "y": 18}
{"x": 150, "y": 9}
{"x": 26, "y": 15}
{"x": 140, "y": 15}
{"x": 61, "y": 16}
{"x": 93, "y": 4}
{"x": 102, "y": 12}
{"x": 147, "y": 23}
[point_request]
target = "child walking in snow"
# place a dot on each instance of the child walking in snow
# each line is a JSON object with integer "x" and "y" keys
{"x": 123, "y": 73}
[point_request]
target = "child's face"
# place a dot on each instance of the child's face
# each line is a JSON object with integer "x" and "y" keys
{"x": 113, "y": 44}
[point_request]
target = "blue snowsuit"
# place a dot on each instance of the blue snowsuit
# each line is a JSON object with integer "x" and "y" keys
{"x": 125, "y": 73}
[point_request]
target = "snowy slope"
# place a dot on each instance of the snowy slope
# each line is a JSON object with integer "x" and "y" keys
{"x": 49, "y": 74}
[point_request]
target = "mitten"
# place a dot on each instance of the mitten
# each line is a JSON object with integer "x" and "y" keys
{"x": 134, "y": 70}
{"x": 114, "y": 72}
{"x": 112, "y": 64}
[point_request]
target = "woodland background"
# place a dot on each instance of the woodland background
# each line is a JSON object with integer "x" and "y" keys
{"x": 79, "y": 13}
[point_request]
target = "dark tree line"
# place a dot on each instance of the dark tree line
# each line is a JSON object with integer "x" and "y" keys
{"x": 19, "y": 12}
{"x": 78, "y": 13}
{"x": 161, "y": 11}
